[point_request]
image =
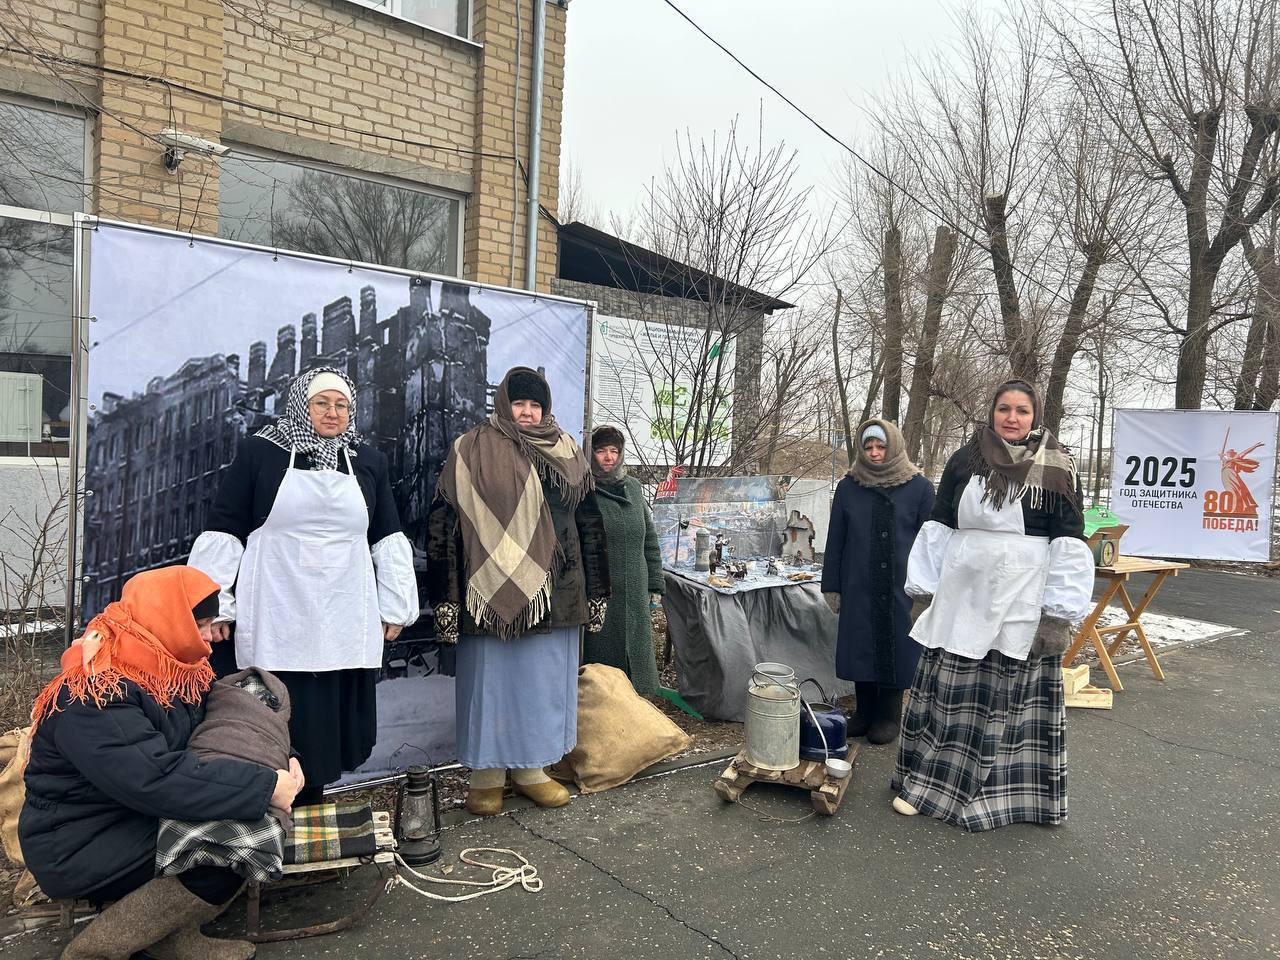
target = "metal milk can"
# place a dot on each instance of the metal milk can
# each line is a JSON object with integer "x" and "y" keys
{"x": 773, "y": 717}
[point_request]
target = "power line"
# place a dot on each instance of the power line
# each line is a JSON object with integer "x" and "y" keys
{"x": 859, "y": 157}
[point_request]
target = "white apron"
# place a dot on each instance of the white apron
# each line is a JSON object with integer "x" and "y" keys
{"x": 992, "y": 584}
{"x": 307, "y": 597}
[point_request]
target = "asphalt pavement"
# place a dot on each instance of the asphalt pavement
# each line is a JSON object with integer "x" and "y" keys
{"x": 1170, "y": 849}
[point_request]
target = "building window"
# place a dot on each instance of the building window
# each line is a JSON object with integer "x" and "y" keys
{"x": 42, "y": 182}
{"x": 447, "y": 16}
{"x": 292, "y": 206}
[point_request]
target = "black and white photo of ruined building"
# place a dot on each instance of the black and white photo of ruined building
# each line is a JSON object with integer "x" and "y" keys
{"x": 154, "y": 458}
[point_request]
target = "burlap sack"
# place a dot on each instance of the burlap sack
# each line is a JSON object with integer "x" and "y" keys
{"x": 15, "y": 747}
{"x": 619, "y": 732}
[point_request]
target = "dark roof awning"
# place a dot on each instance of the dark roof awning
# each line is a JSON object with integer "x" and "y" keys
{"x": 588, "y": 255}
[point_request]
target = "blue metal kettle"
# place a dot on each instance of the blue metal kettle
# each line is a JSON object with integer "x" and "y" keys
{"x": 824, "y": 732}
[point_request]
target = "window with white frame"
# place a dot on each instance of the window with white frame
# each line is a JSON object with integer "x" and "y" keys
{"x": 42, "y": 183}
{"x": 447, "y": 16}
{"x": 293, "y": 205}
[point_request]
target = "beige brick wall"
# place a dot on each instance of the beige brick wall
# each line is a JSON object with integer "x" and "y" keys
{"x": 386, "y": 95}
{"x": 493, "y": 208}
{"x": 181, "y": 42}
{"x": 349, "y": 73}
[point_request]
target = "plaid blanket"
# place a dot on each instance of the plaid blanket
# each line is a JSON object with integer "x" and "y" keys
{"x": 330, "y": 831}
{"x": 254, "y": 849}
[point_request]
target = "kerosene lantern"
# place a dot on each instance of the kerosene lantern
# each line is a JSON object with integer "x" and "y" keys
{"x": 418, "y": 818}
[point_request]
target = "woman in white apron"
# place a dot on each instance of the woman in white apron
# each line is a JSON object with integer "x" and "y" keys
{"x": 1004, "y": 572}
{"x": 316, "y": 574}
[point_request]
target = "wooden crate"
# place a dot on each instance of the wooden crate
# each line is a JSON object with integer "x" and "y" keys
{"x": 1095, "y": 698}
{"x": 1074, "y": 678}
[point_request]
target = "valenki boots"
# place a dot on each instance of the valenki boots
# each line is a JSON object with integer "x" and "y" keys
{"x": 888, "y": 716}
{"x": 484, "y": 791}
{"x": 150, "y": 914}
{"x": 189, "y": 943}
{"x": 866, "y": 697}
{"x": 534, "y": 783}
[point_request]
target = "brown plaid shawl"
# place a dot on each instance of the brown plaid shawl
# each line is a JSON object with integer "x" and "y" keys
{"x": 1039, "y": 466}
{"x": 493, "y": 479}
{"x": 330, "y": 831}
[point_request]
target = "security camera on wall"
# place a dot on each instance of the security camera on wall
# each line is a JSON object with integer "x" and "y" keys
{"x": 177, "y": 144}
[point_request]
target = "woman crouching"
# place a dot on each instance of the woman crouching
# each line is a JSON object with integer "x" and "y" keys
{"x": 516, "y": 565}
{"x": 1005, "y": 565}
{"x": 109, "y": 760}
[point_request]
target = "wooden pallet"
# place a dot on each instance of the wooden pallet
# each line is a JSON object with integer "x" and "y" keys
{"x": 825, "y": 793}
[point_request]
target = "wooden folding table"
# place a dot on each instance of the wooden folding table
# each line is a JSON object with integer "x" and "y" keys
{"x": 1117, "y": 574}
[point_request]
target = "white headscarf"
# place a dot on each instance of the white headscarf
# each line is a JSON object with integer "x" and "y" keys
{"x": 294, "y": 431}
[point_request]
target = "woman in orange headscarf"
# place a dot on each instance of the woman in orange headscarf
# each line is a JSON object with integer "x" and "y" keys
{"x": 108, "y": 761}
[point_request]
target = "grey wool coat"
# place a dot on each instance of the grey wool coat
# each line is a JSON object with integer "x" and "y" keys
{"x": 635, "y": 571}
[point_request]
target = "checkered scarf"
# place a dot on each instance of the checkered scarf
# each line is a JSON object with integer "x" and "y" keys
{"x": 493, "y": 479}
{"x": 1039, "y": 466}
{"x": 294, "y": 431}
{"x": 254, "y": 849}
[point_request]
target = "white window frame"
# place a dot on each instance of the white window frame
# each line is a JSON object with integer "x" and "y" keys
{"x": 262, "y": 153}
{"x": 392, "y": 8}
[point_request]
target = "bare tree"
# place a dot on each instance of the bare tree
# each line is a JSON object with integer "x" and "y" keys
{"x": 941, "y": 261}
{"x": 32, "y": 595}
{"x": 1193, "y": 86}
{"x": 732, "y": 235}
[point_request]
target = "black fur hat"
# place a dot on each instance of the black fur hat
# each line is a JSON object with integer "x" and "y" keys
{"x": 607, "y": 436}
{"x": 527, "y": 385}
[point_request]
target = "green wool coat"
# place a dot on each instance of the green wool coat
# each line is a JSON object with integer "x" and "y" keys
{"x": 635, "y": 571}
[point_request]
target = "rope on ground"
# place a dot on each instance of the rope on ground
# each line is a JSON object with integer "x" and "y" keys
{"x": 503, "y": 876}
{"x": 760, "y": 814}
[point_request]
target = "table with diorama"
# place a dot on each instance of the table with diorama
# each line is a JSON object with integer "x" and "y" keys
{"x": 720, "y": 627}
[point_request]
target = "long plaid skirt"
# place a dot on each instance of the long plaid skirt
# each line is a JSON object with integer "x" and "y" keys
{"x": 984, "y": 741}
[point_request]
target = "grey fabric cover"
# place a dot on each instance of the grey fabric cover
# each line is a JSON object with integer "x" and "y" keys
{"x": 719, "y": 638}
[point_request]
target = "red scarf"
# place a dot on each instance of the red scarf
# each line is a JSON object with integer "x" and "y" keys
{"x": 148, "y": 636}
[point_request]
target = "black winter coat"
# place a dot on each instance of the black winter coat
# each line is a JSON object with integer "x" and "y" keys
{"x": 581, "y": 570}
{"x": 100, "y": 779}
{"x": 868, "y": 542}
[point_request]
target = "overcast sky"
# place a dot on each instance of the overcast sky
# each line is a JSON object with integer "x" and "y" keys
{"x": 637, "y": 75}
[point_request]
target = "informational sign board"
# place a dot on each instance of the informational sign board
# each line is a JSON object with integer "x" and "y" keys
{"x": 665, "y": 386}
{"x": 1195, "y": 484}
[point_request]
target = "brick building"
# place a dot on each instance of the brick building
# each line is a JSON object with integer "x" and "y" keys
{"x": 155, "y": 459}
{"x": 388, "y": 131}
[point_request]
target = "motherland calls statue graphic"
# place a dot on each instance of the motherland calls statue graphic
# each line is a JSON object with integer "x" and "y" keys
{"x": 1234, "y": 467}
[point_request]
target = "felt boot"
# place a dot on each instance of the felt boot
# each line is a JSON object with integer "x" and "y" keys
{"x": 534, "y": 783}
{"x": 484, "y": 792}
{"x": 884, "y": 729}
{"x": 146, "y": 916}
{"x": 866, "y": 696}
{"x": 188, "y": 943}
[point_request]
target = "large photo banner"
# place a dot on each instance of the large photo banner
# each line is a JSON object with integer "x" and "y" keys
{"x": 1195, "y": 484}
{"x": 192, "y": 346}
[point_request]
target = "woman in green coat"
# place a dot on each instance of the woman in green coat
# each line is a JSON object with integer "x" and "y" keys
{"x": 635, "y": 566}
